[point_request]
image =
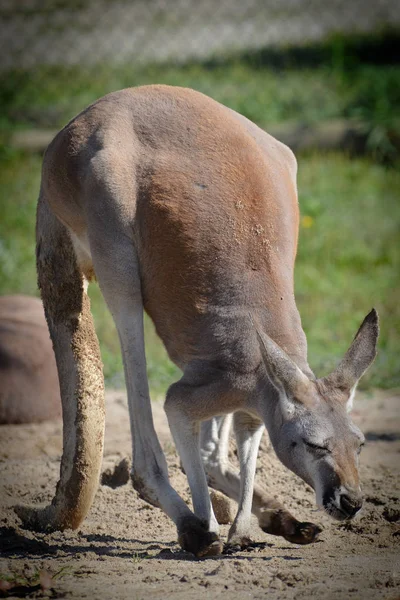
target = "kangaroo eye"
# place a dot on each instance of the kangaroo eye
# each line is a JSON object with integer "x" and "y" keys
{"x": 360, "y": 447}
{"x": 315, "y": 448}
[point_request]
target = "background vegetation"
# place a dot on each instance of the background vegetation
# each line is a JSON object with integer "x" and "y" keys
{"x": 348, "y": 259}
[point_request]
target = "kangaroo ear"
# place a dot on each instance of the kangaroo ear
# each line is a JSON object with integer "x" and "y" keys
{"x": 358, "y": 357}
{"x": 282, "y": 371}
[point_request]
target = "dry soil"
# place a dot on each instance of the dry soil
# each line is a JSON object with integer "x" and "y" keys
{"x": 127, "y": 549}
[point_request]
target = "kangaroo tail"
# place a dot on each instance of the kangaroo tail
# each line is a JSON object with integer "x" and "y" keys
{"x": 67, "y": 309}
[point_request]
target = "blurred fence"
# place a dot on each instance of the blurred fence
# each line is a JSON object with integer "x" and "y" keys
{"x": 58, "y": 56}
{"x": 92, "y": 32}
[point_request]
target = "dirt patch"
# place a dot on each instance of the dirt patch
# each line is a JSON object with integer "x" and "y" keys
{"x": 127, "y": 548}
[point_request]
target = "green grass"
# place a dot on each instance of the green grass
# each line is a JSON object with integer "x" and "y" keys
{"x": 348, "y": 258}
{"x": 51, "y": 96}
{"x": 348, "y": 261}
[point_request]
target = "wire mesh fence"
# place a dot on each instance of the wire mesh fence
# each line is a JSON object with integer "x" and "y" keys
{"x": 57, "y": 56}
{"x": 92, "y": 32}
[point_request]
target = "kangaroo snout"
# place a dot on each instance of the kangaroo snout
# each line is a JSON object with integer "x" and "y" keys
{"x": 350, "y": 504}
{"x": 342, "y": 504}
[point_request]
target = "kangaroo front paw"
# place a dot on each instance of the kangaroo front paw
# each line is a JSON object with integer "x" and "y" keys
{"x": 194, "y": 537}
{"x": 281, "y": 522}
{"x": 304, "y": 533}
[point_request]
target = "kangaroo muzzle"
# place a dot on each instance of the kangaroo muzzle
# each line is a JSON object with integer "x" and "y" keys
{"x": 342, "y": 504}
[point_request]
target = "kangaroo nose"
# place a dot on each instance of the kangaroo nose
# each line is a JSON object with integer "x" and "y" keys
{"x": 351, "y": 506}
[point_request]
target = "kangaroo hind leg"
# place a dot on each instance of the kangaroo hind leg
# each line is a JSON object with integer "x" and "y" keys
{"x": 67, "y": 309}
{"x": 117, "y": 271}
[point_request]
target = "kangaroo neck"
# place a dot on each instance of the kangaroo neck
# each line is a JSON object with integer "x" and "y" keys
{"x": 284, "y": 327}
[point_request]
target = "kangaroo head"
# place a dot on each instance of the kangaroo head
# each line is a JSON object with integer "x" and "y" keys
{"x": 311, "y": 430}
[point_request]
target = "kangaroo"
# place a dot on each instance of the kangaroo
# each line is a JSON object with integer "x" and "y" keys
{"x": 183, "y": 208}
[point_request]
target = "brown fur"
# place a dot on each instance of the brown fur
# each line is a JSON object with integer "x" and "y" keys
{"x": 186, "y": 208}
{"x": 218, "y": 194}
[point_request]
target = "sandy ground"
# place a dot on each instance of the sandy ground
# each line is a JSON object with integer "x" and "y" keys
{"x": 127, "y": 549}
